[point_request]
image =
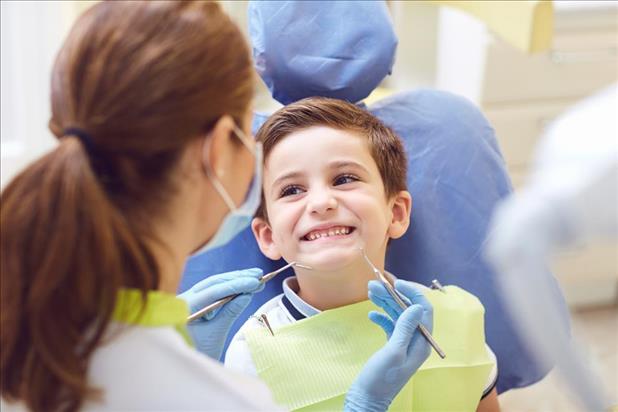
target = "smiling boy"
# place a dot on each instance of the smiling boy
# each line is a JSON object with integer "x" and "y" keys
{"x": 334, "y": 182}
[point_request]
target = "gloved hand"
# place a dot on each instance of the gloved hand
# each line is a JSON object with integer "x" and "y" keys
{"x": 209, "y": 332}
{"x": 390, "y": 368}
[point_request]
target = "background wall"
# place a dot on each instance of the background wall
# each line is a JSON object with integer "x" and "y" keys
{"x": 31, "y": 34}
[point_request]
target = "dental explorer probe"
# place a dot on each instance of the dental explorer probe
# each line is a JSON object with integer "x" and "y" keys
{"x": 397, "y": 298}
{"x": 217, "y": 304}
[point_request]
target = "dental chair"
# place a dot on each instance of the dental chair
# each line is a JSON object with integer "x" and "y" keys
{"x": 456, "y": 173}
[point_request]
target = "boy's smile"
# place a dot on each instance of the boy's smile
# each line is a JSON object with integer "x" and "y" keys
{"x": 324, "y": 199}
{"x": 327, "y": 231}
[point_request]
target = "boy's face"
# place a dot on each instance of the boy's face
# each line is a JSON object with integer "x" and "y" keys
{"x": 325, "y": 199}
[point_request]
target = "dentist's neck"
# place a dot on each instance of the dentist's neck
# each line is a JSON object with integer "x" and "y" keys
{"x": 333, "y": 289}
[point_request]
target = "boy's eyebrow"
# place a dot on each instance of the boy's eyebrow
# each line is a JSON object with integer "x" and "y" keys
{"x": 347, "y": 163}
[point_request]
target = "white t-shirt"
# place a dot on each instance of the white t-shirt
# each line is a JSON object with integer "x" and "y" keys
{"x": 154, "y": 369}
{"x": 286, "y": 309}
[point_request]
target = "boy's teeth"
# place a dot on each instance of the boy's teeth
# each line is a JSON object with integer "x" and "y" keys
{"x": 330, "y": 232}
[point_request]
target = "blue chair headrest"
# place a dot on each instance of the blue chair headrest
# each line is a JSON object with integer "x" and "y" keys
{"x": 321, "y": 48}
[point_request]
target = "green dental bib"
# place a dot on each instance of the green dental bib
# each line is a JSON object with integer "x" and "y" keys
{"x": 309, "y": 365}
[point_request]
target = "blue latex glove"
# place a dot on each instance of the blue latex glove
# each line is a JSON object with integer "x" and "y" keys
{"x": 390, "y": 368}
{"x": 209, "y": 332}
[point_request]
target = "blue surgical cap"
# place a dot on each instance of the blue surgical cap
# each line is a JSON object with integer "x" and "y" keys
{"x": 321, "y": 48}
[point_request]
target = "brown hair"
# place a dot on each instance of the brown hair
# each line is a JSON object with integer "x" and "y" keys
{"x": 385, "y": 147}
{"x": 142, "y": 79}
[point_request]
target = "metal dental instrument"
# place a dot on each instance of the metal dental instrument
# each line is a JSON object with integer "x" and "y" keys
{"x": 401, "y": 302}
{"x": 217, "y": 304}
{"x": 264, "y": 321}
{"x": 435, "y": 284}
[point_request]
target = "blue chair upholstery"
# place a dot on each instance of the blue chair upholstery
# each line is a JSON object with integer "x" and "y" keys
{"x": 456, "y": 173}
{"x": 340, "y": 49}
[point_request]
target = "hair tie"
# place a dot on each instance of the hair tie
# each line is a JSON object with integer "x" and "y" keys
{"x": 83, "y": 137}
{"x": 98, "y": 160}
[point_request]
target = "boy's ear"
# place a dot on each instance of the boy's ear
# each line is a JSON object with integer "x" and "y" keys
{"x": 401, "y": 208}
{"x": 264, "y": 236}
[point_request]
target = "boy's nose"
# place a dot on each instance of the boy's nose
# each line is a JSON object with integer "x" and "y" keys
{"x": 321, "y": 202}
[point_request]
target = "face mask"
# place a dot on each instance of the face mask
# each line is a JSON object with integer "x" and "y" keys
{"x": 238, "y": 218}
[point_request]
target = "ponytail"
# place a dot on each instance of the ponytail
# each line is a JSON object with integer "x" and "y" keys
{"x": 66, "y": 252}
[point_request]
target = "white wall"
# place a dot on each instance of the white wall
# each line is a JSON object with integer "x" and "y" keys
{"x": 31, "y": 34}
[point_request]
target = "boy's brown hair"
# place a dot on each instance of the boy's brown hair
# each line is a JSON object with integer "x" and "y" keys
{"x": 385, "y": 147}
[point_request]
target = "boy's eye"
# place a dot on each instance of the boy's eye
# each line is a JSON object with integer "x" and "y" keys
{"x": 346, "y": 178}
{"x": 290, "y": 190}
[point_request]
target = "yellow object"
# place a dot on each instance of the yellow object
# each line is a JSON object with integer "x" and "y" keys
{"x": 310, "y": 364}
{"x": 159, "y": 309}
{"x": 378, "y": 94}
{"x": 527, "y": 25}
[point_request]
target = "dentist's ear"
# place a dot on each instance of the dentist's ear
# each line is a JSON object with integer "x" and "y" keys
{"x": 401, "y": 208}
{"x": 264, "y": 236}
{"x": 218, "y": 148}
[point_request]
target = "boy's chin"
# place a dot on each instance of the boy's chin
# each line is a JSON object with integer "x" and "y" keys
{"x": 330, "y": 260}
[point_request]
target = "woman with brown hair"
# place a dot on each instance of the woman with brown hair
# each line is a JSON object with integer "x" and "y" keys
{"x": 151, "y": 104}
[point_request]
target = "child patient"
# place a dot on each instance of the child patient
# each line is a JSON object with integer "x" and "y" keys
{"x": 335, "y": 182}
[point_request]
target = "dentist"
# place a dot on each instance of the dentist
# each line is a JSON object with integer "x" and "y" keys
{"x": 151, "y": 105}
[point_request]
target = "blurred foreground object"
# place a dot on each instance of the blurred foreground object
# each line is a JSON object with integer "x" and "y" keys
{"x": 571, "y": 198}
